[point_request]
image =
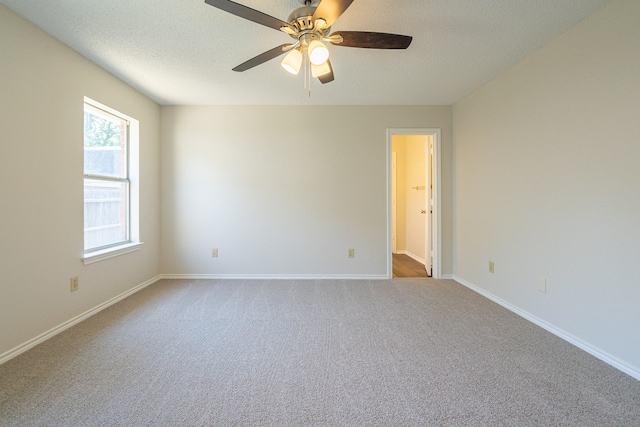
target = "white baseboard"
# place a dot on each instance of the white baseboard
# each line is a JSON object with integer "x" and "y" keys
{"x": 416, "y": 257}
{"x": 69, "y": 323}
{"x": 277, "y": 276}
{"x": 594, "y": 351}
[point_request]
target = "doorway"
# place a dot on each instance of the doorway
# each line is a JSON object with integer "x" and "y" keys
{"x": 413, "y": 201}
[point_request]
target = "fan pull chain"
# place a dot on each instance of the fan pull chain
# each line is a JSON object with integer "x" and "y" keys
{"x": 307, "y": 74}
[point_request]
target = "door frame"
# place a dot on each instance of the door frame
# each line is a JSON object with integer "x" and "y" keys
{"x": 435, "y": 134}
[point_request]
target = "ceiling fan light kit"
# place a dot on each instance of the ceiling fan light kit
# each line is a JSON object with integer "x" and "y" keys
{"x": 318, "y": 52}
{"x": 320, "y": 69}
{"x": 309, "y": 25}
{"x": 292, "y": 61}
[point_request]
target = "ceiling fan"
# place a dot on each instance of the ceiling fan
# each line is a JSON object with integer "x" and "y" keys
{"x": 310, "y": 25}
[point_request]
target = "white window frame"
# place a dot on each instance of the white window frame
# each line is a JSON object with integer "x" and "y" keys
{"x": 133, "y": 242}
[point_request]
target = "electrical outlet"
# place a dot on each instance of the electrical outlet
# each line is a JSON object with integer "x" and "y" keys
{"x": 490, "y": 266}
{"x": 352, "y": 253}
{"x": 74, "y": 283}
{"x": 542, "y": 285}
{"x": 214, "y": 253}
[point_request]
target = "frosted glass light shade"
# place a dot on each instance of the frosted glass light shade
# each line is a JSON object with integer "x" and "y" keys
{"x": 320, "y": 70}
{"x": 318, "y": 52}
{"x": 292, "y": 61}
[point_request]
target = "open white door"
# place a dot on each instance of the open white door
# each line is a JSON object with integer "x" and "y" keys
{"x": 429, "y": 227}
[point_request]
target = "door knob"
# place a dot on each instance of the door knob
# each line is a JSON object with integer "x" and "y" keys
{"x": 423, "y": 211}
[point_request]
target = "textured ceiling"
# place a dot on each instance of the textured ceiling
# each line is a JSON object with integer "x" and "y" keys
{"x": 181, "y": 52}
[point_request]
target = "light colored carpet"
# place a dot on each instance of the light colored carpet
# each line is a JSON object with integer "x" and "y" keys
{"x": 311, "y": 353}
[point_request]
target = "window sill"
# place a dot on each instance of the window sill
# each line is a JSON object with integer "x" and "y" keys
{"x": 90, "y": 258}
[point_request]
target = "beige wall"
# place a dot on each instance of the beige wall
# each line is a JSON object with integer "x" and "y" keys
{"x": 547, "y": 184}
{"x": 285, "y": 191}
{"x": 399, "y": 148}
{"x": 42, "y": 87}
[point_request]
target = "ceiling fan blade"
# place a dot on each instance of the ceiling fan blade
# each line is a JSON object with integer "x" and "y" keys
{"x": 248, "y": 13}
{"x": 263, "y": 57}
{"x": 369, "y": 40}
{"x": 328, "y": 77}
{"x": 330, "y": 10}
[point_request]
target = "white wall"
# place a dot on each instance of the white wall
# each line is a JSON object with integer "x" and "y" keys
{"x": 547, "y": 184}
{"x": 42, "y": 85}
{"x": 284, "y": 191}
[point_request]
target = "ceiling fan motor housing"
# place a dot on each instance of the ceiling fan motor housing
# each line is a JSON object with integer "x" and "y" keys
{"x": 306, "y": 29}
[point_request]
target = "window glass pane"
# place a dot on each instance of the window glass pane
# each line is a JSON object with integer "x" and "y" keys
{"x": 105, "y": 213}
{"x": 105, "y": 144}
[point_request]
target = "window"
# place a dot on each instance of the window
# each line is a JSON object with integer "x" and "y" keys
{"x": 109, "y": 140}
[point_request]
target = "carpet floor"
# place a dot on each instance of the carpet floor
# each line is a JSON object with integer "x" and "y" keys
{"x": 405, "y": 352}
